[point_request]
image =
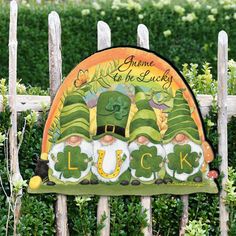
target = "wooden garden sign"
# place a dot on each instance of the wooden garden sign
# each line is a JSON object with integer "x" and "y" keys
{"x": 124, "y": 122}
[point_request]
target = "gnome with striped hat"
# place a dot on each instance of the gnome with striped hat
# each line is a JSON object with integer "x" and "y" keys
{"x": 182, "y": 143}
{"x": 70, "y": 158}
{"x": 146, "y": 152}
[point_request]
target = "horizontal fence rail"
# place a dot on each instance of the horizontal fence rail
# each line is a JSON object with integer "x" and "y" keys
{"x": 34, "y": 102}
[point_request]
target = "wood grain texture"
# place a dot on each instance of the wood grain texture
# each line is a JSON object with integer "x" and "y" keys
{"x": 103, "y": 41}
{"x": 13, "y": 147}
{"x": 146, "y": 202}
{"x": 55, "y": 73}
{"x": 184, "y": 217}
{"x": 222, "y": 69}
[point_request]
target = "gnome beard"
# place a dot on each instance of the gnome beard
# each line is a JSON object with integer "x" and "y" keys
{"x": 85, "y": 146}
{"x": 169, "y": 148}
{"x": 160, "y": 152}
{"x": 110, "y": 160}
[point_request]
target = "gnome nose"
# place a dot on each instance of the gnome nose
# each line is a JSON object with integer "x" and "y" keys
{"x": 142, "y": 140}
{"x": 108, "y": 138}
{"x": 179, "y": 137}
{"x": 75, "y": 140}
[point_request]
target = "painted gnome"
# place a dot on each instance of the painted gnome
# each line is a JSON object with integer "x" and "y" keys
{"x": 145, "y": 149}
{"x": 182, "y": 143}
{"x": 70, "y": 159}
{"x": 111, "y": 154}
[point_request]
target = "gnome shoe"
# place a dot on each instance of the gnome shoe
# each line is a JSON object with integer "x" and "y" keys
{"x": 135, "y": 182}
{"x": 167, "y": 180}
{"x": 93, "y": 181}
{"x": 159, "y": 181}
{"x": 51, "y": 183}
{"x": 84, "y": 182}
{"x": 124, "y": 182}
{"x": 197, "y": 179}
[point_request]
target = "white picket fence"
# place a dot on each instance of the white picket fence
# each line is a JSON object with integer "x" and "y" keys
{"x": 18, "y": 103}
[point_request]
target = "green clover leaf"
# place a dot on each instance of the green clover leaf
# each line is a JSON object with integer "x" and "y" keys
{"x": 182, "y": 160}
{"x": 118, "y": 106}
{"x": 145, "y": 161}
{"x": 71, "y": 162}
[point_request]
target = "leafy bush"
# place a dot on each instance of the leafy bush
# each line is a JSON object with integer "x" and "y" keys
{"x": 182, "y": 31}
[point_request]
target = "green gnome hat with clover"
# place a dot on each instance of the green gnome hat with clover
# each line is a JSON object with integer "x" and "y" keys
{"x": 74, "y": 117}
{"x": 113, "y": 109}
{"x": 144, "y": 122}
{"x": 180, "y": 121}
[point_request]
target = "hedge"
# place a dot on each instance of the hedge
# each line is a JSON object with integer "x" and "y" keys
{"x": 178, "y": 36}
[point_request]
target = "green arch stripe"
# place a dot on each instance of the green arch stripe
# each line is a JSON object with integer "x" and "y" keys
{"x": 152, "y": 133}
{"x": 72, "y": 99}
{"x": 73, "y": 122}
{"x": 73, "y": 106}
{"x": 179, "y": 119}
{"x": 78, "y": 124}
{"x": 78, "y": 108}
{"x": 142, "y": 122}
{"x": 182, "y": 125}
{"x": 192, "y": 134}
{"x": 178, "y": 112}
{"x": 144, "y": 114}
{"x": 74, "y": 131}
{"x": 74, "y": 116}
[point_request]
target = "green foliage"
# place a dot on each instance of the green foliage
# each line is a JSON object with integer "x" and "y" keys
{"x": 37, "y": 216}
{"x": 82, "y": 215}
{"x": 230, "y": 200}
{"x": 166, "y": 214}
{"x": 145, "y": 161}
{"x": 71, "y": 157}
{"x": 127, "y": 217}
{"x": 79, "y": 32}
{"x": 197, "y": 228}
{"x": 183, "y": 160}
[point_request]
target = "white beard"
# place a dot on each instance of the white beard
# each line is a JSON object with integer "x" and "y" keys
{"x": 110, "y": 160}
{"x": 86, "y": 147}
{"x": 160, "y": 151}
{"x": 194, "y": 148}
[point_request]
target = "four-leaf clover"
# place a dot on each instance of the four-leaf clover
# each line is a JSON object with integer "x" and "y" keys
{"x": 71, "y": 162}
{"x": 145, "y": 161}
{"x": 182, "y": 160}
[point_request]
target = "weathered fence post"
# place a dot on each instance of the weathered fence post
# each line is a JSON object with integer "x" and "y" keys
{"x": 143, "y": 41}
{"x": 55, "y": 73}
{"x": 13, "y": 149}
{"x": 222, "y": 123}
{"x": 184, "y": 217}
{"x": 103, "y": 41}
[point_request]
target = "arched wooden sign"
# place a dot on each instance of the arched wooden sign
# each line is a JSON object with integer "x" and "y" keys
{"x": 124, "y": 122}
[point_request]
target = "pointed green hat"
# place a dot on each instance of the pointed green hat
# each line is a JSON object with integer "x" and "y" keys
{"x": 113, "y": 110}
{"x": 144, "y": 122}
{"x": 74, "y": 117}
{"x": 180, "y": 121}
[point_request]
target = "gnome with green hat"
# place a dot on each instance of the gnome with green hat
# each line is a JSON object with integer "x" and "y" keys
{"x": 71, "y": 157}
{"x": 182, "y": 143}
{"x": 146, "y": 152}
{"x": 111, "y": 155}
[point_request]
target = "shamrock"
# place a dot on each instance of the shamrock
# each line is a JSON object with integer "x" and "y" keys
{"x": 71, "y": 162}
{"x": 118, "y": 106}
{"x": 145, "y": 161}
{"x": 183, "y": 160}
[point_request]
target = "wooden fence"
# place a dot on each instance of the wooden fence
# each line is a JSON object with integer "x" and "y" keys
{"x": 18, "y": 103}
